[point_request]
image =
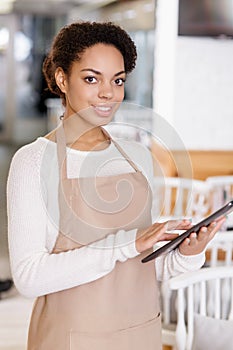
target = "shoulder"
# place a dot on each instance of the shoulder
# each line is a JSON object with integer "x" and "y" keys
{"x": 29, "y": 155}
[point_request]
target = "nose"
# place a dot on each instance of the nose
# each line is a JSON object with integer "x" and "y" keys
{"x": 106, "y": 91}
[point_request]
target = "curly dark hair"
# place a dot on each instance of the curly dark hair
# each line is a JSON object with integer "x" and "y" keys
{"x": 73, "y": 39}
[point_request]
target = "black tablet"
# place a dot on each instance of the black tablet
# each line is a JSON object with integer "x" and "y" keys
{"x": 227, "y": 208}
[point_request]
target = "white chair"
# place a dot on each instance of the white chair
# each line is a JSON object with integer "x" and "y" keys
{"x": 221, "y": 244}
{"x": 199, "y": 206}
{"x": 176, "y": 197}
{"x": 189, "y": 327}
{"x": 221, "y": 191}
{"x": 220, "y": 249}
{"x": 219, "y": 253}
{"x": 223, "y": 185}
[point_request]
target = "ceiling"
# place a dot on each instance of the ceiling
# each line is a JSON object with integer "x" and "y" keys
{"x": 51, "y": 6}
{"x": 128, "y": 13}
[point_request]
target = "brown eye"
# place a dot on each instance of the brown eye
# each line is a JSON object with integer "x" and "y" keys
{"x": 90, "y": 80}
{"x": 119, "y": 81}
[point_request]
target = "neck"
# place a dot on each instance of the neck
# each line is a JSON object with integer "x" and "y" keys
{"x": 83, "y": 136}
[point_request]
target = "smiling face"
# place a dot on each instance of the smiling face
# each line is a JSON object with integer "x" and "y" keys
{"x": 95, "y": 86}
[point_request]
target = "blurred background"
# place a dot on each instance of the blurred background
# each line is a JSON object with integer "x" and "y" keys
{"x": 184, "y": 69}
{"x": 184, "y": 73}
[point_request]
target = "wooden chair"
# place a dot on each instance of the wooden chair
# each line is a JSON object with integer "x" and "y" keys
{"x": 192, "y": 296}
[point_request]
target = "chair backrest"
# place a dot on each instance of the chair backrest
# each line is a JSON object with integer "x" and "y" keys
{"x": 176, "y": 197}
{"x": 222, "y": 188}
{"x": 221, "y": 191}
{"x": 220, "y": 249}
{"x": 208, "y": 292}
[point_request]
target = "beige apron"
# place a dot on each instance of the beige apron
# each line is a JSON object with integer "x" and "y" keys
{"x": 119, "y": 311}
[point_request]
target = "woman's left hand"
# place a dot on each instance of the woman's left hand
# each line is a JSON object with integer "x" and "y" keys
{"x": 196, "y": 243}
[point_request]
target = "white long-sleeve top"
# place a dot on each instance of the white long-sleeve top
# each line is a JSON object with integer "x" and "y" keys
{"x": 33, "y": 217}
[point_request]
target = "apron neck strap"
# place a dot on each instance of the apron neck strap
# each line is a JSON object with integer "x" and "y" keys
{"x": 120, "y": 149}
{"x": 124, "y": 154}
{"x": 62, "y": 156}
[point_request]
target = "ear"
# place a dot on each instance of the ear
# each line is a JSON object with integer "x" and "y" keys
{"x": 60, "y": 78}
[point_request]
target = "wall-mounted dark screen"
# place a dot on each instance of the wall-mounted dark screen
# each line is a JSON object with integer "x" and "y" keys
{"x": 206, "y": 18}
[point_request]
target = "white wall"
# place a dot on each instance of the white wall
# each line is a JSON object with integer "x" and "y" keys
{"x": 203, "y": 92}
{"x": 196, "y": 97}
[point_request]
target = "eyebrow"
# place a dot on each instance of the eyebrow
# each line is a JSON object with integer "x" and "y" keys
{"x": 99, "y": 73}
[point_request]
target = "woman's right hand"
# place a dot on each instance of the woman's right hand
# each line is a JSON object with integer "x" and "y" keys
{"x": 146, "y": 238}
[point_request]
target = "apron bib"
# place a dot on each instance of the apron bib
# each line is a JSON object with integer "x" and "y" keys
{"x": 119, "y": 311}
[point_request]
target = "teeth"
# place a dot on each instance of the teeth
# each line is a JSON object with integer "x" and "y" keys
{"x": 103, "y": 109}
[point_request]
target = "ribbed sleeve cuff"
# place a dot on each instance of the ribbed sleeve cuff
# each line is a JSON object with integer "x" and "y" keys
{"x": 191, "y": 262}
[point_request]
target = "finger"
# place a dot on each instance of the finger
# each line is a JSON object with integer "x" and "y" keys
{"x": 157, "y": 228}
{"x": 222, "y": 217}
{"x": 192, "y": 238}
{"x": 220, "y": 220}
{"x": 202, "y": 233}
{"x": 215, "y": 227}
{"x": 168, "y": 236}
{"x": 179, "y": 224}
{"x": 210, "y": 231}
{"x": 185, "y": 243}
{"x": 156, "y": 235}
{"x": 185, "y": 224}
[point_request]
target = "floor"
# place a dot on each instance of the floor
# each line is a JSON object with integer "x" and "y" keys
{"x": 15, "y": 312}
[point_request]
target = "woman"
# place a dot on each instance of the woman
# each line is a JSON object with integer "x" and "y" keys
{"x": 79, "y": 209}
